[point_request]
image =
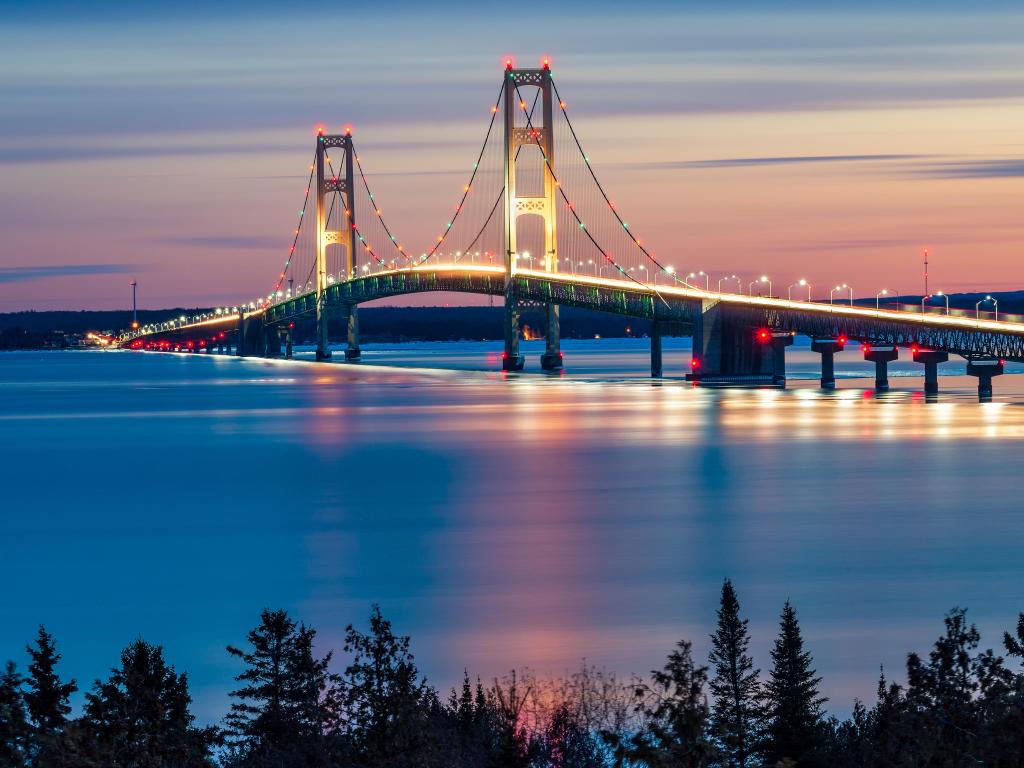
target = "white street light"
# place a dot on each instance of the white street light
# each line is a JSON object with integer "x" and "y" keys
{"x": 878, "y": 297}
{"x": 803, "y": 284}
{"x": 995, "y": 304}
{"x": 762, "y": 279}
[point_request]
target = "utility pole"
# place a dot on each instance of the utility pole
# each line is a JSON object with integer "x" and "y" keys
{"x": 135, "y": 318}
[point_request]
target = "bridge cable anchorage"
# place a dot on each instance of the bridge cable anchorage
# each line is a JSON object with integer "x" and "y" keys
{"x": 600, "y": 187}
{"x": 465, "y": 193}
{"x": 295, "y": 239}
{"x": 572, "y": 210}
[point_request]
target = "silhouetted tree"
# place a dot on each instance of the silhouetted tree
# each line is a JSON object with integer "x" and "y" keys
{"x": 47, "y": 699}
{"x": 568, "y": 743}
{"x": 14, "y": 728}
{"x": 386, "y": 702}
{"x": 674, "y": 713}
{"x": 288, "y": 701}
{"x": 794, "y": 728}
{"x": 736, "y": 713}
{"x": 139, "y": 717}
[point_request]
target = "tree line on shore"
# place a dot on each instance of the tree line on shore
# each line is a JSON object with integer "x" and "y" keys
{"x": 959, "y": 706}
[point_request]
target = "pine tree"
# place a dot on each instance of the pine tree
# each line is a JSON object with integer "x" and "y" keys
{"x": 14, "y": 728}
{"x": 287, "y": 703}
{"x": 47, "y": 700}
{"x": 736, "y": 715}
{"x": 674, "y": 714}
{"x": 140, "y": 716}
{"x": 794, "y": 707}
{"x": 386, "y": 701}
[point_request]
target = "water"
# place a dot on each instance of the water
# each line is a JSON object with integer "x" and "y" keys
{"x": 527, "y": 520}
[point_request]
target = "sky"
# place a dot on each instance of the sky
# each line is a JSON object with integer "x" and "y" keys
{"x": 169, "y": 143}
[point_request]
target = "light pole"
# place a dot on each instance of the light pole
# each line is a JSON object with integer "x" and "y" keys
{"x": 977, "y": 307}
{"x": 940, "y": 293}
{"x": 762, "y": 279}
{"x": 729, "y": 277}
{"x": 803, "y": 284}
{"x": 705, "y": 275}
{"x": 878, "y": 302}
{"x": 669, "y": 270}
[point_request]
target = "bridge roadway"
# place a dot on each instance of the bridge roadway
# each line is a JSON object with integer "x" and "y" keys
{"x": 728, "y": 328}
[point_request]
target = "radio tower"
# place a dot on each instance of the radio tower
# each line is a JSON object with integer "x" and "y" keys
{"x": 135, "y": 318}
{"x": 925, "y": 271}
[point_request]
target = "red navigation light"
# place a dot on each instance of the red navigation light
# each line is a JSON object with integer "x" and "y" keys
{"x": 913, "y": 350}
{"x": 842, "y": 339}
{"x": 694, "y": 362}
{"x": 222, "y": 334}
{"x": 348, "y": 130}
{"x": 504, "y": 355}
{"x": 509, "y": 63}
{"x": 546, "y": 62}
{"x": 866, "y": 348}
{"x": 319, "y": 130}
{"x": 290, "y": 325}
{"x": 764, "y": 335}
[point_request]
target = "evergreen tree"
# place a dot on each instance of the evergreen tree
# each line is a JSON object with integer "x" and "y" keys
{"x": 287, "y": 703}
{"x": 736, "y": 714}
{"x": 140, "y": 716}
{"x": 14, "y": 728}
{"x": 386, "y": 702}
{"x": 793, "y": 706}
{"x": 47, "y": 700}
{"x": 674, "y": 714}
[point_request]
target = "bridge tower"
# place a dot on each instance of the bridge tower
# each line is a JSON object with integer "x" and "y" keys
{"x": 516, "y": 205}
{"x": 346, "y": 237}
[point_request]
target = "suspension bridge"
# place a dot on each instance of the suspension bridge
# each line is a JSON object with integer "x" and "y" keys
{"x": 535, "y": 226}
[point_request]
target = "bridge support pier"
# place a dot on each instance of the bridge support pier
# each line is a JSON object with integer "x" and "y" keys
{"x": 551, "y": 360}
{"x": 288, "y": 343}
{"x": 779, "y": 342}
{"x": 271, "y": 341}
{"x": 984, "y": 369}
{"x": 656, "y": 366}
{"x": 726, "y": 351}
{"x": 828, "y": 348}
{"x": 881, "y": 357}
{"x": 353, "y": 353}
{"x": 511, "y": 360}
{"x": 931, "y": 360}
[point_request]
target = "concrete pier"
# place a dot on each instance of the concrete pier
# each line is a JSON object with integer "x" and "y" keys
{"x": 551, "y": 360}
{"x": 881, "y": 356}
{"x": 931, "y": 359}
{"x": 827, "y": 348}
{"x": 656, "y": 364}
{"x": 727, "y": 351}
{"x": 352, "y": 352}
{"x": 511, "y": 359}
{"x": 779, "y": 342}
{"x": 984, "y": 369}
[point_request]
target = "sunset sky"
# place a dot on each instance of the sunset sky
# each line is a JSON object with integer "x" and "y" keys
{"x": 820, "y": 140}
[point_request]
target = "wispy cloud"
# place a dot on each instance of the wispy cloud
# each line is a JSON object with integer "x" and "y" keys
{"x": 744, "y": 162}
{"x": 984, "y": 169}
{"x": 25, "y": 274}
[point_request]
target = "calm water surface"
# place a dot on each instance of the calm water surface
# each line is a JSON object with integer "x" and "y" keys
{"x": 501, "y": 521}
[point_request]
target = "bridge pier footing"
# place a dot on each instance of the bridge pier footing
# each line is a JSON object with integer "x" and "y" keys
{"x": 288, "y": 349}
{"x": 511, "y": 359}
{"x": 931, "y": 359}
{"x": 656, "y": 359}
{"x": 352, "y": 352}
{"x": 551, "y": 360}
{"x": 779, "y": 342}
{"x": 726, "y": 351}
{"x": 881, "y": 357}
{"x": 827, "y": 348}
{"x": 984, "y": 369}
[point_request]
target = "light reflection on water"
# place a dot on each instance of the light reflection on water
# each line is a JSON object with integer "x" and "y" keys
{"x": 500, "y": 520}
